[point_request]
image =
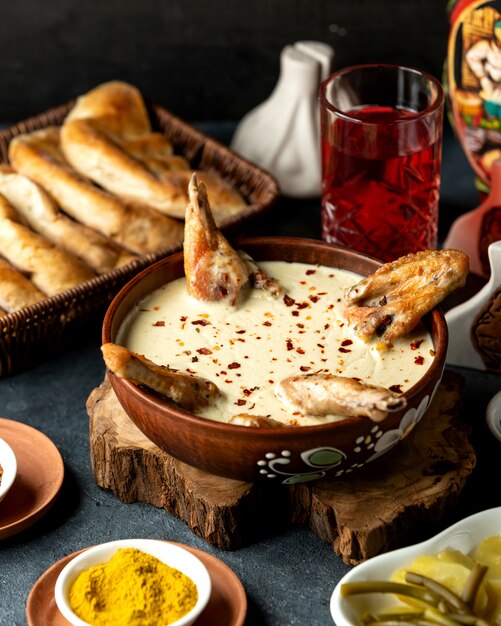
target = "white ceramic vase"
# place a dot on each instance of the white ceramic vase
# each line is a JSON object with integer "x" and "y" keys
{"x": 282, "y": 135}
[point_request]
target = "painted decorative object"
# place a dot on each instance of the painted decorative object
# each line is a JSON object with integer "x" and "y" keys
{"x": 282, "y": 134}
{"x": 280, "y": 454}
{"x": 475, "y": 325}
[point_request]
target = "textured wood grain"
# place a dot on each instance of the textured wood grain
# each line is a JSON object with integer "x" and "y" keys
{"x": 387, "y": 504}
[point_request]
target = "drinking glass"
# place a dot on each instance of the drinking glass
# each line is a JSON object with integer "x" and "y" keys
{"x": 381, "y": 131}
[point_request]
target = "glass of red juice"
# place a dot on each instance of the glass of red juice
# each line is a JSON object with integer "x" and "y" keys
{"x": 381, "y": 131}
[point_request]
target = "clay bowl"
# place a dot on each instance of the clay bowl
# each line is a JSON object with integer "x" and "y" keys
{"x": 287, "y": 455}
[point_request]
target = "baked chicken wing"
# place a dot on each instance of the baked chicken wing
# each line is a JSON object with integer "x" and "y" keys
{"x": 189, "y": 392}
{"x": 327, "y": 394}
{"x": 390, "y": 302}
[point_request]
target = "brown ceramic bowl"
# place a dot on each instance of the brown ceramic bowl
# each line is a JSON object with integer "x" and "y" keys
{"x": 287, "y": 455}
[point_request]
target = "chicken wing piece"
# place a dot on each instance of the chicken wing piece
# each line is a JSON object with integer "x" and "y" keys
{"x": 257, "y": 421}
{"x": 390, "y": 302}
{"x": 260, "y": 280}
{"x": 189, "y": 392}
{"x": 327, "y": 394}
{"x": 214, "y": 270}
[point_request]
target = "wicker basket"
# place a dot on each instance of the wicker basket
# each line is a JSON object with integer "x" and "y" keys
{"x": 29, "y": 335}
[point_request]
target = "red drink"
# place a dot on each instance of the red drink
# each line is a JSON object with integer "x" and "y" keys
{"x": 380, "y": 182}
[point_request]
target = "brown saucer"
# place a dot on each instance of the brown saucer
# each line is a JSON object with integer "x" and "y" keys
{"x": 40, "y": 472}
{"x": 227, "y": 604}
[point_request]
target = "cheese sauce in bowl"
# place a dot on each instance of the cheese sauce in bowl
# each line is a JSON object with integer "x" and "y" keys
{"x": 247, "y": 350}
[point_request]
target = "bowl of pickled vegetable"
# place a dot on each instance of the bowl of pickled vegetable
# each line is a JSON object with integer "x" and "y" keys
{"x": 452, "y": 579}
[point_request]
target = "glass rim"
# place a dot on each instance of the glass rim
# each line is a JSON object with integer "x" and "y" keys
{"x": 433, "y": 107}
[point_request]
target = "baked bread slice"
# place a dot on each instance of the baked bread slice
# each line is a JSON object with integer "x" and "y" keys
{"x": 16, "y": 291}
{"x": 51, "y": 269}
{"x": 140, "y": 229}
{"x": 108, "y": 138}
{"x": 43, "y": 216}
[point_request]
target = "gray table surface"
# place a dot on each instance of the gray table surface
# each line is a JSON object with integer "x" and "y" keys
{"x": 288, "y": 577}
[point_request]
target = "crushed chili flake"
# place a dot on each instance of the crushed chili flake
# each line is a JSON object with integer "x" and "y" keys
{"x": 159, "y": 323}
{"x": 314, "y": 298}
{"x": 299, "y": 325}
{"x": 295, "y": 313}
{"x": 240, "y": 332}
{"x": 310, "y": 272}
{"x": 228, "y": 382}
{"x": 183, "y": 318}
{"x": 305, "y": 368}
{"x": 344, "y": 350}
{"x": 247, "y": 392}
{"x": 302, "y": 305}
{"x": 194, "y": 359}
{"x": 289, "y": 344}
{"x": 300, "y": 350}
{"x": 288, "y": 300}
{"x": 204, "y": 351}
{"x": 234, "y": 365}
{"x": 271, "y": 381}
{"x": 416, "y": 344}
{"x": 223, "y": 373}
{"x": 320, "y": 345}
{"x": 200, "y": 323}
{"x": 419, "y": 360}
{"x": 241, "y": 402}
{"x": 396, "y": 388}
{"x": 347, "y": 342}
{"x": 267, "y": 324}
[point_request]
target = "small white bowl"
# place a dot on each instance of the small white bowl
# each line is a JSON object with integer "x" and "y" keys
{"x": 173, "y": 555}
{"x": 8, "y": 463}
{"x": 493, "y": 416}
{"x": 465, "y": 535}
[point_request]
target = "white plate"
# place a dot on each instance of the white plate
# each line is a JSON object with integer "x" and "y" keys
{"x": 493, "y": 416}
{"x": 8, "y": 463}
{"x": 464, "y": 536}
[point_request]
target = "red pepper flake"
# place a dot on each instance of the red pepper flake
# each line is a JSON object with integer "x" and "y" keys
{"x": 295, "y": 313}
{"x": 266, "y": 323}
{"x": 419, "y": 360}
{"x": 228, "y": 382}
{"x": 289, "y": 344}
{"x": 159, "y": 323}
{"x": 302, "y": 305}
{"x": 330, "y": 307}
{"x": 200, "y": 323}
{"x": 300, "y": 325}
{"x": 416, "y": 344}
{"x": 310, "y": 272}
{"x": 247, "y": 392}
{"x": 234, "y": 365}
{"x": 241, "y": 402}
{"x": 223, "y": 373}
{"x": 356, "y": 378}
{"x": 300, "y": 350}
{"x": 322, "y": 293}
{"x": 194, "y": 359}
{"x": 346, "y": 342}
{"x": 183, "y": 318}
{"x": 271, "y": 381}
{"x": 252, "y": 406}
{"x": 288, "y": 300}
{"x": 344, "y": 350}
{"x": 314, "y": 298}
{"x": 302, "y": 282}
{"x": 396, "y": 388}
{"x": 320, "y": 345}
{"x": 204, "y": 351}
{"x": 305, "y": 368}
{"x": 241, "y": 332}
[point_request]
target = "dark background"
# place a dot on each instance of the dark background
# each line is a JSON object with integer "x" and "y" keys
{"x": 202, "y": 59}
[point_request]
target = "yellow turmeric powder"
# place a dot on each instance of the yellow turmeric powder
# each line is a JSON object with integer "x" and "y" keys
{"x": 133, "y": 588}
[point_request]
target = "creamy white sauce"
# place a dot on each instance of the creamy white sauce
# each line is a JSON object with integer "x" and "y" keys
{"x": 247, "y": 350}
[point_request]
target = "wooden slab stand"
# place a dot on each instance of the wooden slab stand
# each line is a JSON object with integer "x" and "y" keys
{"x": 381, "y": 507}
